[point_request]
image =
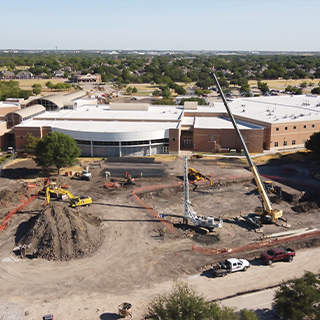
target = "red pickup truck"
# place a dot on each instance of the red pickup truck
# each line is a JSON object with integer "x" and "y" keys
{"x": 277, "y": 255}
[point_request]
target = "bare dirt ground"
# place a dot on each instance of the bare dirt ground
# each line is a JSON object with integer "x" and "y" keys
{"x": 84, "y": 262}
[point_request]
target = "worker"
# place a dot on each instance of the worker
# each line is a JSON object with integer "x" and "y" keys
{"x": 141, "y": 175}
{"x": 108, "y": 174}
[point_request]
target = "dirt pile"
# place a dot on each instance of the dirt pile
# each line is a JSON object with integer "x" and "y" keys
{"x": 59, "y": 233}
{"x": 12, "y": 196}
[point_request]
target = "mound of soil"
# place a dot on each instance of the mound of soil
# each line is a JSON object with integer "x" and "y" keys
{"x": 305, "y": 206}
{"x": 12, "y": 196}
{"x": 59, "y": 233}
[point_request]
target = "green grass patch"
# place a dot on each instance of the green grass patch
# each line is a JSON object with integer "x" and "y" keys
{"x": 5, "y": 157}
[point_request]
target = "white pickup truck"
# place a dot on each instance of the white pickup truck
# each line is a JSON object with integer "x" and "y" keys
{"x": 229, "y": 266}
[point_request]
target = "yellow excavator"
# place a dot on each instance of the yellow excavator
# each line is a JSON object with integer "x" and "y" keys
{"x": 195, "y": 175}
{"x": 74, "y": 201}
{"x": 264, "y": 214}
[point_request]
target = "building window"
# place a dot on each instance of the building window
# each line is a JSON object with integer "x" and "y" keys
{"x": 277, "y": 129}
{"x": 285, "y": 128}
{"x": 304, "y": 126}
{"x": 293, "y": 142}
{"x": 294, "y": 127}
{"x": 173, "y": 139}
{"x": 313, "y": 126}
{"x": 284, "y": 143}
{"x": 165, "y": 149}
{"x": 276, "y": 144}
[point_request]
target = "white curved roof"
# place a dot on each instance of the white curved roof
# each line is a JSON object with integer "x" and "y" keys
{"x": 107, "y": 130}
{"x": 29, "y": 111}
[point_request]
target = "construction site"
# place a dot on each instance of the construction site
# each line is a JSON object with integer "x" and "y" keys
{"x": 80, "y": 247}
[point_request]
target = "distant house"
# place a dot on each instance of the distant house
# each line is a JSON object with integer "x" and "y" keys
{"x": 88, "y": 78}
{"x": 5, "y": 74}
{"x": 59, "y": 73}
{"x": 24, "y": 75}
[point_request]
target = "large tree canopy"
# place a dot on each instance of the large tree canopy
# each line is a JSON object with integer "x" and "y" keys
{"x": 183, "y": 303}
{"x": 299, "y": 298}
{"x": 56, "y": 149}
{"x": 313, "y": 144}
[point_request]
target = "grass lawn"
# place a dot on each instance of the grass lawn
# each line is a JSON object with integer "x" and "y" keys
{"x": 28, "y": 83}
{"x": 138, "y": 94}
{"x": 283, "y": 83}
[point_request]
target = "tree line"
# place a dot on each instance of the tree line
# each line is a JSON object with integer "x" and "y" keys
{"x": 133, "y": 68}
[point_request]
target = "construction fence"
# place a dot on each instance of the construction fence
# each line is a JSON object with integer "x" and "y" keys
{"x": 24, "y": 203}
{"x": 149, "y": 188}
{"x": 256, "y": 245}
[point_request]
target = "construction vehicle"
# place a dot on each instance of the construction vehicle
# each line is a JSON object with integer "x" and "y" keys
{"x": 264, "y": 214}
{"x": 271, "y": 189}
{"x": 230, "y": 266}
{"x": 74, "y": 201}
{"x": 197, "y": 156}
{"x": 83, "y": 175}
{"x": 129, "y": 179}
{"x": 195, "y": 175}
{"x": 189, "y": 214}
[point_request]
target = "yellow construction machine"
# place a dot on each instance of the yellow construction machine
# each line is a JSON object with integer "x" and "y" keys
{"x": 271, "y": 189}
{"x": 74, "y": 201}
{"x": 264, "y": 214}
{"x": 195, "y": 175}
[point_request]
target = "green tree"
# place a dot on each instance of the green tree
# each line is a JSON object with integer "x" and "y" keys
{"x": 36, "y": 88}
{"x": 56, "y": 149}
{"x": 49, "y": 85}
{"x": 166, "y": 102}
{"x": 129, "y": 90}
{"x": 295, "y": 299}
{"x": 180, "y": 90}
{"x": 156, "y": 93}
{"x": 134, "y": 90}
{"x": 263, "y": 86}
{"x": 184, "y": 303}
{"x": 31, "y": 143}
{"x": 303, "y": 84}
{"x": 313, "y": 143}
{"x": 315, "y": 90}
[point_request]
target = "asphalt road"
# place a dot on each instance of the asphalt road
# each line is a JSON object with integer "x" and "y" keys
{"x": 260, "y": 302}
{"x": 231, "y": 290}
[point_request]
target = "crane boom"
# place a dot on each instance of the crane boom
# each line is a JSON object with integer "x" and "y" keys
{"x": 267, "y": 212}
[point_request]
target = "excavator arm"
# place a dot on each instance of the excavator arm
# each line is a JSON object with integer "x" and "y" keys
{"x": 198, "y": 175}
{"x": 75, "y": 201}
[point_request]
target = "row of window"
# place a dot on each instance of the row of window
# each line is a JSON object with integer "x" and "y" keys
{"x": 123, "y": 143}
{"x": 295, "y": 127}
{"x": 285, "y": 143}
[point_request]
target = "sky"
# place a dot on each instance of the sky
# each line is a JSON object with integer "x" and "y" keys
{"x": 224, "y": 25}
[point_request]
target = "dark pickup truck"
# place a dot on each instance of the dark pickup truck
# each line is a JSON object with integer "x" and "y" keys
{"x": 277, "y": 255}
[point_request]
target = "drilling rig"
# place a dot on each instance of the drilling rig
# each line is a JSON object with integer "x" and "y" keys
{"x": 189, "y": 213}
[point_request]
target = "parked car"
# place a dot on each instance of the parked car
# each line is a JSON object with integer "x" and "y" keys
{"x": 229, "y": 266}
{"x": 277, "y": 254}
